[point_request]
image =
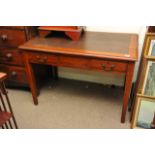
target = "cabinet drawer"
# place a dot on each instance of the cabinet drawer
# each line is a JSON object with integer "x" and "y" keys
{"x": 12, "y": 27}
{"x": 68, "y": 61}
{"x": 15, "y": 74}
{"x": 12, "y": 38}
{"x": 108, "y": 66}
{"x": 11, "y": 56}
{"x": 42, "y": 58}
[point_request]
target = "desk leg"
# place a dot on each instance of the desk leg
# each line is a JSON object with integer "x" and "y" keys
{"x": 32, "y": 81}
{"x": 128, "y": 85}
{"x": 55, "y": 72}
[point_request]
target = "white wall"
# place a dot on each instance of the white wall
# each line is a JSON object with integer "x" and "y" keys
{"x": 99, "y": 77}
{"x": 123, "y": 29}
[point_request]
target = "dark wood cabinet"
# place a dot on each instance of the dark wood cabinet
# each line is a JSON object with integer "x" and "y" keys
{"x": 11, "y": 60}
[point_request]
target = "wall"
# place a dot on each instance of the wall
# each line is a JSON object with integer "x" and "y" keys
{"x": 99, "y": 77}
{"x": 123, "y": 29}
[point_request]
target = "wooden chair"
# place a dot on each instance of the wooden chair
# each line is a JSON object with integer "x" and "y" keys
{"x": 7, "y": 119}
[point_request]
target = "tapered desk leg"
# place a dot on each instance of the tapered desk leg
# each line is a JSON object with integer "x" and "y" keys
{"x": 55, "y": 72}
{"x": 128, "y": 85}
{"x": 32, "y": 81}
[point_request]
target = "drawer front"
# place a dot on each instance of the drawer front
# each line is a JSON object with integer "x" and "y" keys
{"x": 11, "y": 56}
{"x": 12, "y": 27}
{"x": 15, "y": 74}
{"x": 108, "y": 66}
{"x": 11, "y": 38}
{"x": 42, "y": 58}
{"x": 68, "y": 61}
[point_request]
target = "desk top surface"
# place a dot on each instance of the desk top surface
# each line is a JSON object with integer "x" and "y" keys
{"x": 119, "y": 46}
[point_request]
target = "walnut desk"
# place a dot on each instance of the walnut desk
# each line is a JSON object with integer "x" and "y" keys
{"x": 104, "y": 52}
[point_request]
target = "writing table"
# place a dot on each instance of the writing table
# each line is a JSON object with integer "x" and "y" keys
{"x": 105, "y": 52}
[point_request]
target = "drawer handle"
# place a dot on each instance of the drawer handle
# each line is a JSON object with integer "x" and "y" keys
{"x": 42, "y": 60}
{"x": 108, "y": 69}
{"x": 9, "y": 56}
{"x": 4, "y": 37}
{"x": 38, "y": 57}
{"x": 14, "y": 74}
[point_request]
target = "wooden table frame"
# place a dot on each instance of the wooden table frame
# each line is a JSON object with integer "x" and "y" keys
{"x": 37, "y": 51}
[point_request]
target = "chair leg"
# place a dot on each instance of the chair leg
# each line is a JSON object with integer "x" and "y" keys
{"x": 9, "y": 105}
{"x": 8, "y": 101}
{"x": 6, "y": 126}
{"x": 3, "y": 103}
{"x": 10, "y": 124}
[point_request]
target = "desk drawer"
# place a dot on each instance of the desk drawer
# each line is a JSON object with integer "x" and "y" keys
{"x": 15, "y": 74}
{"x": 11, "y": 56}
{"x": 108, "y": 66}
{"x": 11, "y": 38}
{"x": 68, "y": 61}
{"x": 42, "y": 58}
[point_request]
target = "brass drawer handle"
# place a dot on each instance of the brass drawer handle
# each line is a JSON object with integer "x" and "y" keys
{"x": 40, "y": 59}
{"x": 43, "y": 60}
{"x": 14, "y": 74}
{"x": 4, "y": 37}
{"x": 9, "y": 56}
{"x": 108, "y": 69}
